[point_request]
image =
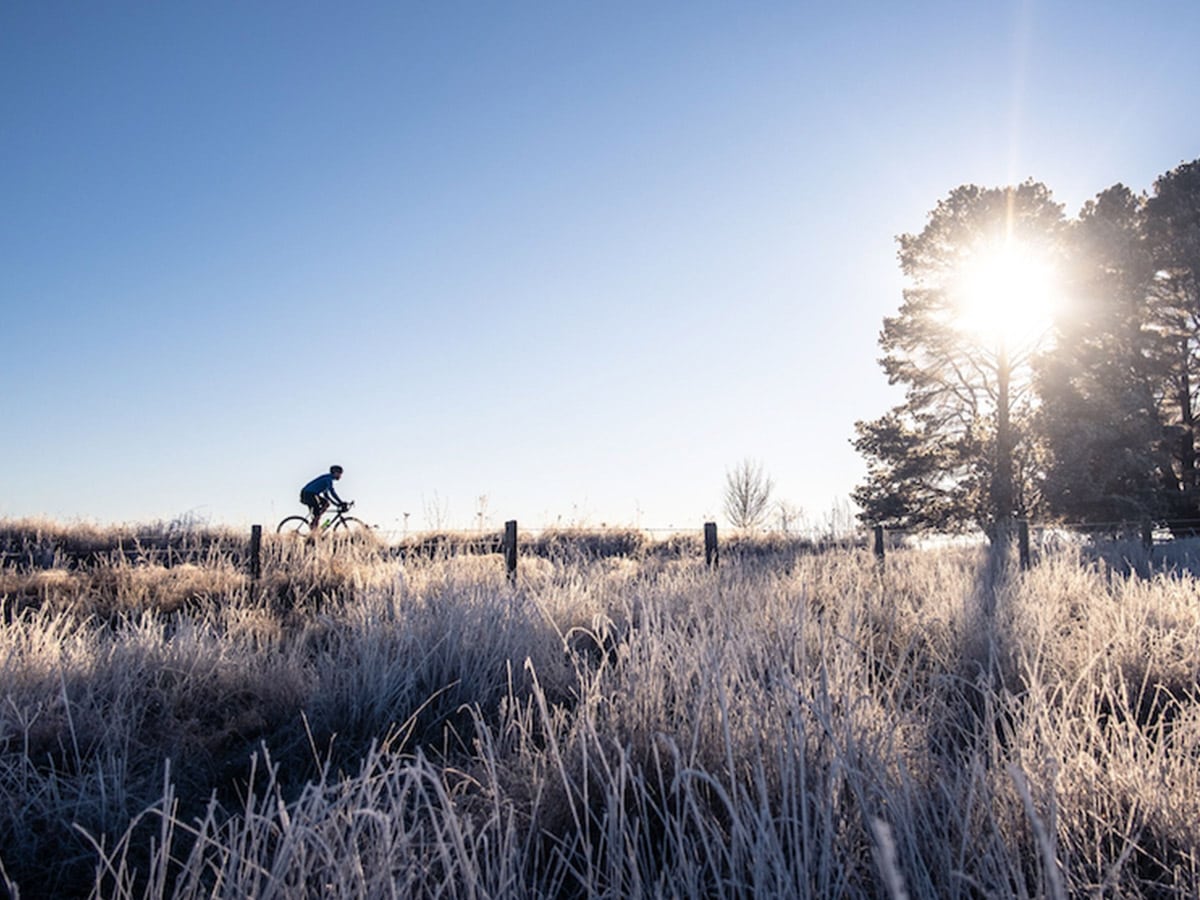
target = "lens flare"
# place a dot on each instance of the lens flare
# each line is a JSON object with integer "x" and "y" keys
{"x": 1006, "y": 294}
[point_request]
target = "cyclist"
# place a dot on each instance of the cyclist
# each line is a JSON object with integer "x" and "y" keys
{"x": 319, "y": 492}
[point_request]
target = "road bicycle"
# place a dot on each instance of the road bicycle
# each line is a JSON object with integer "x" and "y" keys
{"x": 335, "y": 521}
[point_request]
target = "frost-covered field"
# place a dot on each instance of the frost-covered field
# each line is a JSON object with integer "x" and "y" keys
{"x": 792, "y": 725}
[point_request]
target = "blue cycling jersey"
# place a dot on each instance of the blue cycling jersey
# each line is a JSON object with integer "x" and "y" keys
{"x": 322, "y": 484}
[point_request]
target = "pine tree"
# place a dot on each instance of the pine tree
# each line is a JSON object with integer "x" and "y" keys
{"x": 958, "y": 449}
{"x": 1098, "y": 414}
{"x": 1173, "y": 231}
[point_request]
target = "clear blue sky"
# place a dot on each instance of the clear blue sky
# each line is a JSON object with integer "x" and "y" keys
{"x": 578, "y": 258}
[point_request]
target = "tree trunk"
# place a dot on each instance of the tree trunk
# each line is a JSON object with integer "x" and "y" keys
{"x": 1002, "y": 477}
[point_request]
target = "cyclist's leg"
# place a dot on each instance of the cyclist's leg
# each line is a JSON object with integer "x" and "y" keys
{"x": 313, "y": 502}
{"x": 322, "y": 505}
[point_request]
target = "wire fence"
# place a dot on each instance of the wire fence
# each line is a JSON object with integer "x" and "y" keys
{"x": 47, "y": 549}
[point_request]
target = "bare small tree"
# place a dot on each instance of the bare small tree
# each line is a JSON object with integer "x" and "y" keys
{"x": 437, "y": 511}
{"x": 747, "y": 493}
{"x": 790, "y": 516}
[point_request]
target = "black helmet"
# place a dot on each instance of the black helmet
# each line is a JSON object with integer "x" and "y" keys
{"x": 335, "y": 470}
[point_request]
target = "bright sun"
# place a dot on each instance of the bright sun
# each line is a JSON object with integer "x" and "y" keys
{"x": 1006, "y": 294}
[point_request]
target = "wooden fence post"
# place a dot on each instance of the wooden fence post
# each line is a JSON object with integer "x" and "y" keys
{"x": 710, "y": 545}
{"x": 1023, "y": 542}
{"x": 255, "y": 552}
{"x": 510, "y": 549}
{"x": 879, "y": 543}
{"x": 1147, "y": 535}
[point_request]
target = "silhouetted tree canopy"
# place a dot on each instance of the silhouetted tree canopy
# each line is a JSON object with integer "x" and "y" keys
{"x": 1098, "y": 415}
{"x": 1101, "y": 410}
{"x": 932, "y": 460}
{"x": 1173, "y": 234}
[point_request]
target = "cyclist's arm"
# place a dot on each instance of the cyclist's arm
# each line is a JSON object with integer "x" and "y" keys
{"x": 332, "y": 493}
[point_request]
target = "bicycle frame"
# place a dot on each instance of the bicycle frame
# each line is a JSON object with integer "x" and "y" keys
{"x": 338, "y": 518}
{"x": 337, "y": 521}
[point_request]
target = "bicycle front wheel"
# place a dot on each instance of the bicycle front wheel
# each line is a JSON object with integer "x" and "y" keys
{"x": 351, "y": 526}
{"x": 298, "y": 525}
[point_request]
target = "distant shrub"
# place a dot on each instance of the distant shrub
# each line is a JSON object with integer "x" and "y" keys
{"x": 565, "y": 544}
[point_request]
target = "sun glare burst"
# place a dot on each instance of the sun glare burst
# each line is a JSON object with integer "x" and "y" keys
{"x": 1006, "y": 294}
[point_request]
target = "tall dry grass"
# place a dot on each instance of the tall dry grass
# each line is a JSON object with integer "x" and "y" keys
{"x": 805, "y": 726}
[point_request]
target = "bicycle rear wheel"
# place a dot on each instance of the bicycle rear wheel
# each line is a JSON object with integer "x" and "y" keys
{"x": 295, "y": 525}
